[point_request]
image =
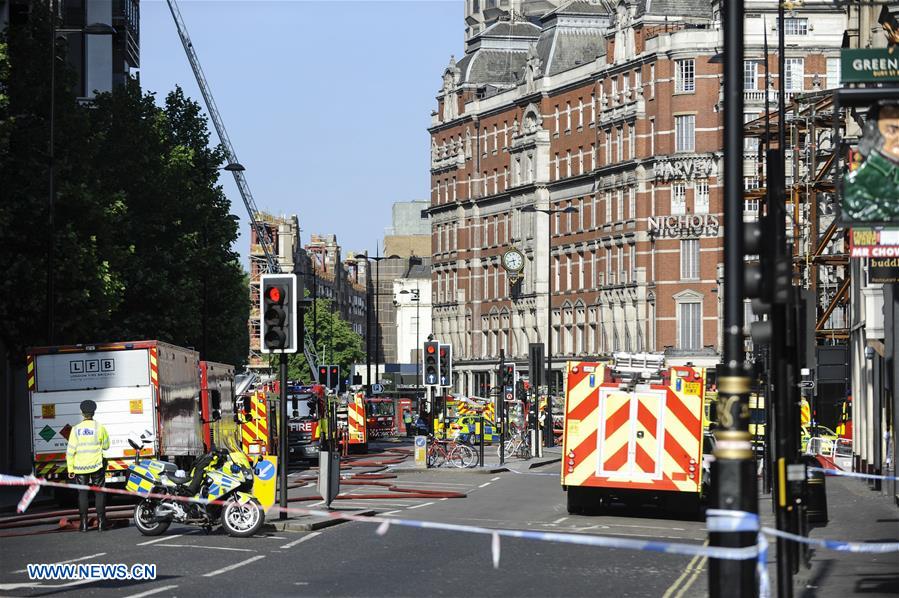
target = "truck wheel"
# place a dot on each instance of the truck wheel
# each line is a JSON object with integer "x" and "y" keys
{"x": 577, "y": 502}
{"x": 145, "y": 519}
{"x": 242, "y": 520}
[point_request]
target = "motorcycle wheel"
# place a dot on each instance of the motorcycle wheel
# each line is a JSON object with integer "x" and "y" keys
{"x": 242, "y": 520}
{"x": 144, "y": 515}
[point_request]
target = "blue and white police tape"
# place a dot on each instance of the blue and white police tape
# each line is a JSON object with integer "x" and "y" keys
{"x": 719, "y": 520}
{"x": 853, "y": 474}
{"x": 725, "y": 520}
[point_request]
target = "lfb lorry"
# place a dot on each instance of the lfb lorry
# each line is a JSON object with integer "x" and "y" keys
{"x": 145, "y": 388}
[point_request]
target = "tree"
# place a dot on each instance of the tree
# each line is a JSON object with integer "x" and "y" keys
{"x": 338, "y": 343}
{"x": 143, "y": 240}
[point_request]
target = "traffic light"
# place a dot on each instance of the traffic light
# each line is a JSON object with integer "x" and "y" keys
{"x": 323, "y": 375}
{"x": 445, "y": 364}
{"x": 508, "y": 376}
{"x": 431, "y": 356}
{"x": 279, "y": 313}
{"x": 334, "y": 377}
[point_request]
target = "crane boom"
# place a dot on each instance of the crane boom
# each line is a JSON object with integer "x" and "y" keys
{"x": 239, "y": 178}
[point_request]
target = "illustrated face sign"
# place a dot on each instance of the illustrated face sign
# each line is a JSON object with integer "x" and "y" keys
{"x": 871, "y": 191}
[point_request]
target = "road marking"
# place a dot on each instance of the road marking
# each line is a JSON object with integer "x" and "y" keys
{"x": 207, "y": 547}
{"x": 442, "y": 499}
{"x": 151, "y": 592}
{"x": 391, "y": 512}
{"x": 484, "y": 485}
{"x": 301, "y": 540}
{"x": 420, "y": 506}
{"x": 494, "y": 479}
{"x": 689, "y": 583}
{"x": 81, "y": 558}
{"x": 560, "y": 519}
{"x": 162, "y": 539}
{"x": 676, "y": 589}
{"x": 234, "y": 566}
{"x": 21, "y": 586}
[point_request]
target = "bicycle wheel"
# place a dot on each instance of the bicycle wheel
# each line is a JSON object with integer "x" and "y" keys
{"x": 465, "y": 456}
{"x": 436, "y": 456}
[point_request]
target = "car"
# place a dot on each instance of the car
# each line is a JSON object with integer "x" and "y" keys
{"x": 466, "y": 426}
{"x": 828, "y": 439}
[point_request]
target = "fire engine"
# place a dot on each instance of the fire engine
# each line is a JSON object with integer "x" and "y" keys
{"x": 380, "y": 417}
{"x": 351, "y": 424}
{"x": 633, "y": 432}
{"x": 306, "y": 405}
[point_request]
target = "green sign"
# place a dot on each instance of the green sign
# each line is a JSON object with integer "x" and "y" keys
{"x": 873, "y": 65}
{"x": 47, "y": 433}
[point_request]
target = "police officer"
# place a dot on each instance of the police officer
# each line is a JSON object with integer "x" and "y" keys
{"x": 84, "y": 461}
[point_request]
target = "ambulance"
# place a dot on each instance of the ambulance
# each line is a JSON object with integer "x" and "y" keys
{"x": 634, "y": 433}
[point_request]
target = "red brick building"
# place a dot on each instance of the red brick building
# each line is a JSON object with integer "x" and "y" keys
{"x": 616, "y": 115}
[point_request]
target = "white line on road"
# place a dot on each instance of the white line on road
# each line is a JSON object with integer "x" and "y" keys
{"x": 484, "y": 485}
{"x": 420, "y": 506}
{"x": 81, "y": 558}
{"x": 162, "y": 539}
{"x": 207, "y": 547}
{"x": 494, "y": 479}
{"x": 560, "y": 519}
{"x": 151, "y": 592}
{"x": 234, "y": 566}
{"x": 32, "y": 584}
{"x": 391, "y": 512}
{"x": 309, "y": 536}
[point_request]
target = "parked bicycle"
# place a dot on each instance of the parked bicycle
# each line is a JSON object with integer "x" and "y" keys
{"x": 517, "y": 446}
{"x": 451, "y": 452}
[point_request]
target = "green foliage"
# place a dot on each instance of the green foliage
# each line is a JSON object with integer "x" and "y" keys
{"x": 337, "y": 343}
{"x": 143, "y": 232}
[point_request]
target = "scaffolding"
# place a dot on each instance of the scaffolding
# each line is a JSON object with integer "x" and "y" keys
{"x": 818, "y": 242}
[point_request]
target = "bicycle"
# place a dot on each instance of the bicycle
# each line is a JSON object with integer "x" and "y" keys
{"x": 455, "y": 453}
{"x": 517, "y": 446}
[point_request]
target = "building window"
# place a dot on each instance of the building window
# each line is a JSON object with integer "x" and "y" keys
{"x": 608, "y": 206}
{"x": 795, "y": 73}
{"x": 678, "y": 198}
{"x": 556, "y": 119}
{"x": 652, "y": 137}
{"x": 621, "y": 267}
{"x": 619, "y": 141}
{"x": 631, "y": 140}
{"x": 614, "y": 89}
{"x": 689, "y": 325}
{"x": 689, "y": 259}
{"x": 557, "y": 275}
{"x": 619, "y": 205}
{"x": 701, "y": 197}
{"x": 608, "y": 146}
{"x": 833, "y": 73}
{"x": 632, "y": 203}
{"x": 685, "y": 133}
{"x": 632, "y": 251}
{"x": 652, "y": 81}
{"x": 610, "y": 278}
{"x": 750, "y": 144}
{"x": 795, "y": 26}
{"x": 685, "y": 76}
{"x": 750, "y": 75}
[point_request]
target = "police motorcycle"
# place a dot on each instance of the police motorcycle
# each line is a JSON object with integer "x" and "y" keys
{"x": 221, "y": 475}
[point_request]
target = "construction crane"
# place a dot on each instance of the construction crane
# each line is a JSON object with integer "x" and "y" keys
{"x": 239, "y": 178}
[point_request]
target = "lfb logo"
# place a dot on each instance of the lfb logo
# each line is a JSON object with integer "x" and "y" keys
{"x": 91, "y": 366}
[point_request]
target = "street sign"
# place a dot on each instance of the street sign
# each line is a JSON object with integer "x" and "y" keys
{"x": 868, "y": 65}
{"x": 509, "y": 396}
{"x": 377, "y": 388}
{"x": 807, "y": 384}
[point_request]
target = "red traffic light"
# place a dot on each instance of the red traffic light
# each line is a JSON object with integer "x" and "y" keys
{"x": 274, "y": 294}
{"x": 430, "y": 349}
{"x": 443, "y": 352}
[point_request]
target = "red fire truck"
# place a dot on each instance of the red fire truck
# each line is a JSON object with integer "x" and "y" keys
{"x": 633, "y": 432}
{"x": 380, "y": 415}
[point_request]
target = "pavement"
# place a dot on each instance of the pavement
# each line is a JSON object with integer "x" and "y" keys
{"x": 858, "y": 514}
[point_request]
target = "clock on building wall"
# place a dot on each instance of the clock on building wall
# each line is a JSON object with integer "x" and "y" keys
{"x": 513, "y": 262}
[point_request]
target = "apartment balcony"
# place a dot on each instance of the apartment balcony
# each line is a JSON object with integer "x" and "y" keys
{"x": 758, "y": 96}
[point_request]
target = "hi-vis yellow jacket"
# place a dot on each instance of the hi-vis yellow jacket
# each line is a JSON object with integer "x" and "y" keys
{"x": 87, "y": 441}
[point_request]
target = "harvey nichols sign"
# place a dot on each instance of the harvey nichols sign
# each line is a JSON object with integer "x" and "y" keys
{"x": 688, "y": 225}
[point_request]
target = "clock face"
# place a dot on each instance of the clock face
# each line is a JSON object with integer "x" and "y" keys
{"x": 513, "y": 260}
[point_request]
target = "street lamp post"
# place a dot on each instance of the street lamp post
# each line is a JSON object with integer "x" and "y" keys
{"x": 377, "y": 259}
{"x": 416, "y": 298}
{"x": 92, "y": 29}
{"x": 549, "y": 441}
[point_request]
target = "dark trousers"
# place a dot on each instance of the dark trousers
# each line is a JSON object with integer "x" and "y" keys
{"x": 95, "y": 478}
